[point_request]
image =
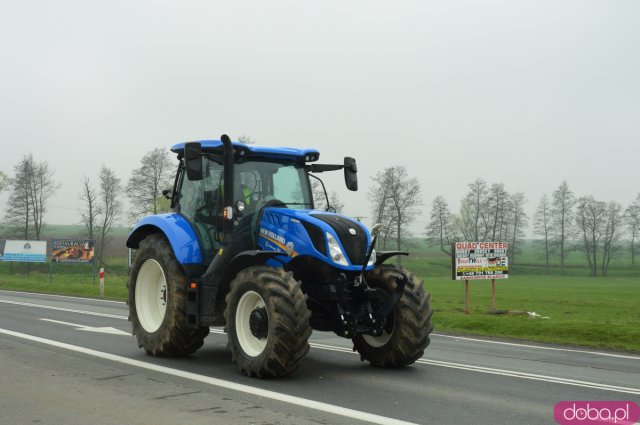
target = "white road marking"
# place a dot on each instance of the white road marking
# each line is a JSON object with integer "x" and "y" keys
{"x": 532, "y": 376}
{"x": 487, "y": 341}
{"x": 480, "y": 369}
{"x": 502, "y": 372}
{"x": 102, "y": 330}
{"x": 62, "y": 296}
{"x": 298, "y": 401}
{"x": 68, "y": 310}
{"x": 539, "y": 347}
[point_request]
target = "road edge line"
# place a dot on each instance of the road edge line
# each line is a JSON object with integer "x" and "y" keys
{"x": 285, "y": 398}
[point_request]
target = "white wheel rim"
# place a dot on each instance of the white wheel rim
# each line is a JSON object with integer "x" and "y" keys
{"x": 250, "y": 344}
{"x": 379, "y": 341}
{"x": 151, "y": 295}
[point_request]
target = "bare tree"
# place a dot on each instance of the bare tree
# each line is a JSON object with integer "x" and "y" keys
{"x": 320, "y": 200}
{"x": 42, "y": 188}
{"x": 147, "y": 182}
{"x": 4, "y": 181}
{"x": 401, "y": 195}
{"x": 632, "y": 218}
{"x": 91, "y": 208}
{"x": 497, "y": 212}
{"x": 18, "y": 214}
{"x": 110, "y": 207}
{"x": 33, "y": 185}
{"x": 611, "y": 239}
{"x": 562, "y": 205}
{"x": 380, "y": 196}
{"x": 246, "y": 140}
{"x": 441, "y": 230}
{"x": 518, "y": 220}
{"x": 591, "y": 222}
{"x": 542, "y": 225}
{"x": 472, "y": 220}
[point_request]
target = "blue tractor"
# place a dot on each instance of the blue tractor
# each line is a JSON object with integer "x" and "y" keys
{"x": 245, "y": 249}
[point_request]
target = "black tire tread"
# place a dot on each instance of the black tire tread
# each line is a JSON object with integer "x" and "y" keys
{"x": 174, "y": 338}
{"x": 289, "y": 328}
{"x": 412, "y": 322}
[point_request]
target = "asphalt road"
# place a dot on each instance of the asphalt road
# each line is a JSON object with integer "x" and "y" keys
{"x": 73, "y": 361}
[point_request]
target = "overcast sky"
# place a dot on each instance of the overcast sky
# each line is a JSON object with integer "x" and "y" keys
{"x": 527, "y": 93}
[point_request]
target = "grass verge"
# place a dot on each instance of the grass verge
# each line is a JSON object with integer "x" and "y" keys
{"x": 69, "y": 280}
{"x": 583, "y": 311}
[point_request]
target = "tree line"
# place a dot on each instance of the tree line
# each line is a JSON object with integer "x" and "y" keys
{"x": 561, "y": 222}
{"x": 488, "y": 212}
{"x": 33, "y": 184}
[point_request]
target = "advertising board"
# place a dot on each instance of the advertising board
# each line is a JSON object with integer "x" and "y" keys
{"x": 72, "y": 250}
{"x": 23, "y": 251}
{"x": 480, "y": 260}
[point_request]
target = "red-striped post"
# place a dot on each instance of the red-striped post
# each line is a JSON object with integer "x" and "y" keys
{"x": 101, "y": 282}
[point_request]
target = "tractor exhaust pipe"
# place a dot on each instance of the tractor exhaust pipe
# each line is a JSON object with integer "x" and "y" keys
{"x": 227, "y": 226}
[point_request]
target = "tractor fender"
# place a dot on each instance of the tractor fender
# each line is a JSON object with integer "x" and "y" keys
{"x": 178, "y": 232}
{"x": 239, "y": 262}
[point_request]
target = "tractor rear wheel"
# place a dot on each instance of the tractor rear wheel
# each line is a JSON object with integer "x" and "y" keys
{"x": 408, "y": 326}
{"x": 267, "y": 322}
{"x": 157, "y": 301}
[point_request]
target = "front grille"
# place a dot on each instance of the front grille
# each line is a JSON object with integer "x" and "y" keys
{"x": 317, "y": 237}
{"x": 354, "y": 245}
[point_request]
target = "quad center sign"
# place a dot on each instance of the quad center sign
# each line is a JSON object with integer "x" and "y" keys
{"x": 480, "y": 260}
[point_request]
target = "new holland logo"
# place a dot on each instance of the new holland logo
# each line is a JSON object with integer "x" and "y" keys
{"x": 352, "y": 231}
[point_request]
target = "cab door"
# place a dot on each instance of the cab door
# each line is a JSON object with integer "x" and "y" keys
{"x": 199, "y": 202}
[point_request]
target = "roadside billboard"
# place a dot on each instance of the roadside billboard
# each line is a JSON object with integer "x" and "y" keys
{"x": 72, "y": 250}
{"x": 23, "y": 251}
{"x": 480, "y": 260}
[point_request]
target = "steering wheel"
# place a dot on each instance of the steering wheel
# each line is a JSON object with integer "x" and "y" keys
{"x": 274, "y": 203}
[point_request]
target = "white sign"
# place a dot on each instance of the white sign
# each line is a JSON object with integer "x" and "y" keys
{"x": 23, "y": 251}
{"x": 480, "y": 260}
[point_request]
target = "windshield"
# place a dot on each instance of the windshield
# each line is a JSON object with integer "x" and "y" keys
{"x": 285, "y": 182}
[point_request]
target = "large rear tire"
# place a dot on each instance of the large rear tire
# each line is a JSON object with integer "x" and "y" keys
{"x": 406, "y": 334}
{"x": 157, "y": 301}
{"x": 267, "y": 322}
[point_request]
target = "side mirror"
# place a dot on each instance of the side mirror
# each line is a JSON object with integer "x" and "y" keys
{"x": 350, "y": 173}
{"x": 193, "y": 160}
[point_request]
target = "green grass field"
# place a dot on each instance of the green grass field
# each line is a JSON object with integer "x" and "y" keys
{"x": 596, "y": 312}
{"x": 67, "y": 279}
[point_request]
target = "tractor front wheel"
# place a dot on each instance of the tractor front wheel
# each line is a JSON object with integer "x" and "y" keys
{"x": 408, "y": 326}
{"x": 157, "y": 301}
{"x": 267, "y": 322}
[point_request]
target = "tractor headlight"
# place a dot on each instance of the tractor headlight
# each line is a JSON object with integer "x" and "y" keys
{"x": 372, "y": 260}
{"x": 335, "y": 252}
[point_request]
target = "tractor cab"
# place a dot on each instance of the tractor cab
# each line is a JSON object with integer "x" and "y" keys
{"x": 261, "y": 178}
{"x": 260, "y": 182}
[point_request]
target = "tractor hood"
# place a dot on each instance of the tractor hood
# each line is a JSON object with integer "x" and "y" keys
{"x": 333, "y": 238}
